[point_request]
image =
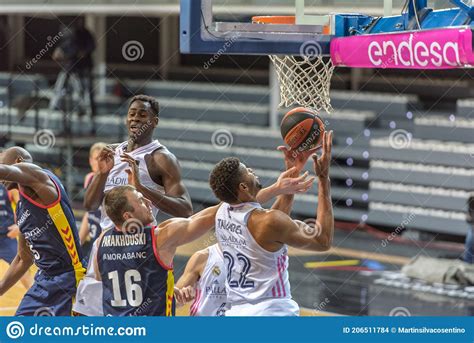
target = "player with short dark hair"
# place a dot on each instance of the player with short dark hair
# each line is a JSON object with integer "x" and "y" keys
{"x": 254, "y": 241}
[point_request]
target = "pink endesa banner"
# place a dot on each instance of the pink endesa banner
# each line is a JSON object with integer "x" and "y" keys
{"x": 428, "y": 49}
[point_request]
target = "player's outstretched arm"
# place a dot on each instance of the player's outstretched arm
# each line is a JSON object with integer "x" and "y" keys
{"x": 19, "y": 266}
{"x": 31, "y": 176}
{"x": 281, "y": 228}
{"x": 95, "y": 190}
{"x": 192, "y": 274}
{"x": 179, "y": 231}
{"x": 289, "y": 183}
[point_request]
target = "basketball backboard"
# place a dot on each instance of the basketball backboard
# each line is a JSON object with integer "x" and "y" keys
{"x": 340, "y": 35}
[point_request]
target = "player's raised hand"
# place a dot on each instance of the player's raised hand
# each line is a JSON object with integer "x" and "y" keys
{"x": 322, "y": 163}
{"x": 290, "y": 183}
{"x": 106, "y": 160}
{"x": 295, "y": 158}
{"x": 133, "y": 172}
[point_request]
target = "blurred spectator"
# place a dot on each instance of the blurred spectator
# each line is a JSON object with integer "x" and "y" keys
{"x": 75, "y": 55}
{"x": 469, "y": 250}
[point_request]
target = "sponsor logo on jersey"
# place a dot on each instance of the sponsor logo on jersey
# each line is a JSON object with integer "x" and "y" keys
{"x": 24, "y": 216}
{"x": 216, "y": 271}
{"x": 124, "y": 256}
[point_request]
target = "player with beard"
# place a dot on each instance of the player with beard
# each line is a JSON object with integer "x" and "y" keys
{"x": 254, "y": 241}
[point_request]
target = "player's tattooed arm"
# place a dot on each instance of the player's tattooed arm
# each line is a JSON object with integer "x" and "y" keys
{"x": 19, "y": 266}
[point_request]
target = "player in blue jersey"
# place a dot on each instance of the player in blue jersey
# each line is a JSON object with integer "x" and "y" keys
{"x": 9, "y": 231}
{"x": 48, "y": 237}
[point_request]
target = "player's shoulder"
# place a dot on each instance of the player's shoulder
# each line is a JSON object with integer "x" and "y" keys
{"x": 162, "y": 157}
{"x": 267, "y": 218}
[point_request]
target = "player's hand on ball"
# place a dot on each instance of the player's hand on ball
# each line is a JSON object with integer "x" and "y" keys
{"x": 290, "y": 183}
{"x": 106, "y": 160}
{"x": 322, "y": 163}
{"x": 295, "y": 158}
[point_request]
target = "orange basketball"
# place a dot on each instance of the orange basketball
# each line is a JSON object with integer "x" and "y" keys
{"x": 302, "y": 129}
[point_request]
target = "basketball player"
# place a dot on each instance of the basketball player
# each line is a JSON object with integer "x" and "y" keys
{"x": 204, "y": 277}
{"x": 204, "y": 281}
{"x": 159, "y": 179}
{"x": 254, "y": 241}
{"x": 135, "y": 262}
{"x": 9, "y": 231}
{"x": 90, "y": 225}
{"x": 48, "y": 237}
{"x": 127, "y": 253}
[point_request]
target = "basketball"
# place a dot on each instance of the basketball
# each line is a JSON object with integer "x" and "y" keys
{"x": 302, "y": 129}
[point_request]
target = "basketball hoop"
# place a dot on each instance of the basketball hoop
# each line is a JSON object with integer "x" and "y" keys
{"x": 304, "y": 79}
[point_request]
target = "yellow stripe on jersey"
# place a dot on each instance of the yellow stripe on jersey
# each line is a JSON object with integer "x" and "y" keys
{"x": 64, "y": 228}
{"x": 169, "y": 293}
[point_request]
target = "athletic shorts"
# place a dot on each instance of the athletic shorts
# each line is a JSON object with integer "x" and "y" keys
{"x": 89, "y": 292}
{"x": 49, "y": 296}
{"x": 8, "y": 248}
{"x": 265, "y": 308}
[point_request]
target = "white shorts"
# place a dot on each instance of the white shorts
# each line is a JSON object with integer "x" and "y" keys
{"x": 265, "y": 308}
{"x": 89, "y": 291}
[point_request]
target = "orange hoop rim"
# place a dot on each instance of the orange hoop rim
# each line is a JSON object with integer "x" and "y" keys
{"x": 275, "y": 19}
{"x": 282, "y": 20}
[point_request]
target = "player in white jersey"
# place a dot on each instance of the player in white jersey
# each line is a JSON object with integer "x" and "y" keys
{"x": 204, "y": 278}
{"x": 156, "y": 174}
{"x": 254, "y": 241}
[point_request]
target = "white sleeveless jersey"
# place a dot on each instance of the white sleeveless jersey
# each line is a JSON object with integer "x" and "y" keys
{"x": 211, "y": 296}
{"x": 119, "y": 177}
{"x": 253, "y": 274}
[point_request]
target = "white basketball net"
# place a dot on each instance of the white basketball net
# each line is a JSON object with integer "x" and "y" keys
{"x": 304, "y": 81}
